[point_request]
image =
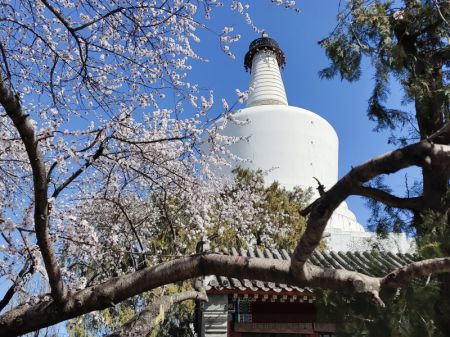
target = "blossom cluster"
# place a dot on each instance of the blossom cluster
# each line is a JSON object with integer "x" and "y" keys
{"x": 126, "y": 167}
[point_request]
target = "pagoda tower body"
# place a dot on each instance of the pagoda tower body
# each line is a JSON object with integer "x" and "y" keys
{"x": 294, "y": 146}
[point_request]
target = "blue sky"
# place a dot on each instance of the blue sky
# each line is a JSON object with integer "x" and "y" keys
{"x": 343, "y": 104}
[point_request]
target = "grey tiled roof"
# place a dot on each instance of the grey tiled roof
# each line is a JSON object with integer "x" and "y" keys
{"x": 369, "y": 263}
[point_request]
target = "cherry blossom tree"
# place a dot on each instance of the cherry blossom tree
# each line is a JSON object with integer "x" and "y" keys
{"x": 92, "y": 163}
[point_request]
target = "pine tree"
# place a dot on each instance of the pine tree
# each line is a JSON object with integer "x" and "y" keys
{"x": 408, "y": 42}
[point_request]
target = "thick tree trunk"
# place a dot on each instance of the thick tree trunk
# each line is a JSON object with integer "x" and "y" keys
{"x": 432, "y": 112}
{"x": 435, "y": 187}
{"x": 435, "y": 191}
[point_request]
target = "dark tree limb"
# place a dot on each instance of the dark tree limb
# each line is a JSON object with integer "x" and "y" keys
{"x": 72, "y": 32}
{"x": 102, "y": 17}
{"x": 26, "y": 269}
{"x": 28, "y": 318}
{"x": 422, "y": 154}
{"x": 153, "y": 141}
{"x": 5, "y": 61}
{"x": 90, "y": 146}
{"x": 442, "y": 135}
{"x": 413, "y": 204}
{"x": 12, "y": 106}
{"x": 130, "y": 222}
{"x": 320, "y": 186}
{"x": 401, "y": 276}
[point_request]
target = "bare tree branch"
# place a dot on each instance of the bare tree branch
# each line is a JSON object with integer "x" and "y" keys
{"x": 441, "y": 136}
{"x": 83, "y": 58}
{"x": 5, "y": 61}
{"x": 413, "y": 204}
{"x": 102, "y": 17}
{"x": 153, "y": 141}
{"x": 12, "y": 106}
{"x": 27, "y": 269}
{"x": 130, "y": 222}
{"x": 87, "y": 148}
{"x": 403, "y": 275}
{"x": 421, "y": 154}
{"x": 28, "y": 318}
{"x": 78, "y": 172}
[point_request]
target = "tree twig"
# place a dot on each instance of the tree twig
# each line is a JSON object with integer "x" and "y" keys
{"x": 78, "y": 172}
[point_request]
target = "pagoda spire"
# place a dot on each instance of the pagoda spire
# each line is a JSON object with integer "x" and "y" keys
{"x": 264, "y": 59}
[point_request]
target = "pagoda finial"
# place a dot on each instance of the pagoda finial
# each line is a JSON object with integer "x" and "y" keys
{"x": 264, "y": 43}
{"x": 264, "y": 59}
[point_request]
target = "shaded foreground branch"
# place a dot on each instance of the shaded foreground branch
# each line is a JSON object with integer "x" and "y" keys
{"x": 153, "y": 315}
{"x": 28, "y": 318}
{"x": 413, "y": 204}
{"x": 422, "y": 154}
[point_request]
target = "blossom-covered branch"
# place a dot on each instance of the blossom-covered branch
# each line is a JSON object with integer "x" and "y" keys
{"x": 26, "y": 130}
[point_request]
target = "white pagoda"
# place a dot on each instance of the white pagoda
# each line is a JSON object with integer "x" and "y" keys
{"x": 294, "y": 146}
